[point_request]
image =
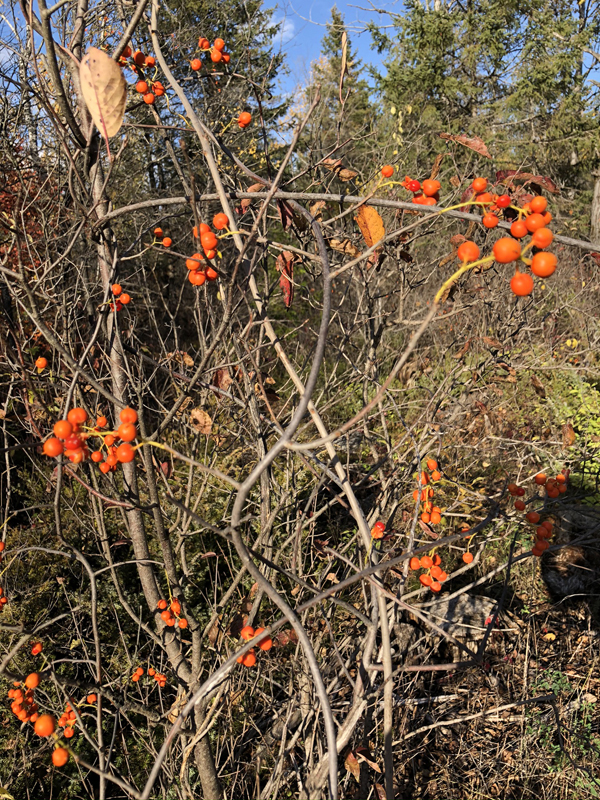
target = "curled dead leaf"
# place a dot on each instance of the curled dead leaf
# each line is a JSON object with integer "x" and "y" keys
{"x": 371, "y": 225}
{"x": 344, "y": 246}
{"x": 335, "y": 165}
{"x": 285, "y": 266}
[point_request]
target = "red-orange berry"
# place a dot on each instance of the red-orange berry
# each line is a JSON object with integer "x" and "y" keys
{"x": 467, "y": 557}
{"x": 141, "y": 87}
{"x": 387, "y": 171}
{"x": 479, "y": 184}
{"x": 490, "y": 220}
{"x": 468, "y": 251}
{"x": 196, "y": 64}
{"x": 521, "y": 284}
{"x": 506, "y": 250}
{"x": 244, "y": 119}
{"x": 543, "y": 264}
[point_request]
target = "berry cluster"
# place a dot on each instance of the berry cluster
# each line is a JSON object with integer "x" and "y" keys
{"x": 554, "y": 488}
{"x": 122, "y": 298}
{"x": 158, "y": 677}
{"x": 424, "y": 194}
{"x": 164, "y": 240}
{"x": 68, "y": 720}
{"x": 431, "y": 515}
{"x": 148, "y": 88}
{"x": 434, "y": 576}
{"x": 247, "y": 633}
{"x": 23, "y": 705}
{"x": 378, "y": 530}
{"x": 198, "y": 270}
{"x": 170, "y": 614}
{"x": 71, "y": 438}
{"x": 217, "y": 53}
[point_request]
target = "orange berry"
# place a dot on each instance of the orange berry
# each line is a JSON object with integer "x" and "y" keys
{"x": 425, "y": 517}
{"x": 166, "y": 242}
{"x": 468, "y": 251}
{"x": 183, "y": 623}
{"x": 91, "y": 698}
{"x": 247, "y": 633}
{"x": 532, "y": 517}
{"x": 63, "y": 429}
{"x": 479, "y": 184}
{"x": 266, "y": 643}
{"x": 68, "y": 732}
{"x": 158, "y": 90}
{"x": 175, "y": 606}
{"x": 220, "y": 221}
{"x": 543, "y": 264}
{"x": 432, "y": 464}
{"x": 534, "y": 222}
{"x": 149, "y": 98}
{"x": 141, "y": 87}
{"x": 150, "y": 61}
{"x": 426, "y": 562}
{"x": 53, "y": 447}
{"x": 435, "y": 586}
{"x": 196, "y": 64}
{"x": 490, "y": 220}
{"x": 387, "y": 171}
{"x": 125, "y": 298}
{"x": 521, "y": 284}
{"x": 215, "y": 56}
{"x": 139, "y": 58}
{"x": 518, "y": 229}
{"x": 430, "y": 187}
{"x": 436, "y": 560}
{"x": 414, "y": 563}
{"x": 197, "y": 277}
{"x": 211, "y": 274}
{"x": 543, "y": 237}
{"x": 203, "y": 43}
{"x": 195, "y": 262}
{"x": 60, "y": 756}
{"x": 435, "y": 475}
{"x": 219, "y": 44}
{"x": 538, "y": 204}
{"x": 249, "y": 660}
{"x": 127, "y": 431}
{"x": 467, "y": 557}
{"x": 45, "y": 725}
{"x": 127, "y": 52}
{"x": 244, "y": 119}
{"x": 128, "y": 415}
{"x": 41, "y": 362}
{"x": 425, "y": 579}
{"x": 37, "y": 647}
{"x": 77, "y": 416}
{"x": 506, "y": 250}
{"x": 436, "y": 517}
{"x": 166, "y": 615}
{"x": 435, "y": 571}
{"x": 32, "y": 681}
{"x": 541, "y": 479}
{"x": 125, "y": 453}
{"x": 135, "y": 677}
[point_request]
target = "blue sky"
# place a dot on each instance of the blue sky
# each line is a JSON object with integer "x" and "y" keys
{"x": 304, "y": 27}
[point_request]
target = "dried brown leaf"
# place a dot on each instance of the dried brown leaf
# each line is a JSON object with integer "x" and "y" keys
{"x": 568, "y": 435}
{"x": 245, "y": 204}
{"x": 509, "y": 176}
{"x": 285, "y": 266}
{"x": 200, "y": 421}
{"x": 317, "y": 209}
{"x": 104, "y": 90}
{"x": 473, "y": 143}
{"x": 352, "y": 765}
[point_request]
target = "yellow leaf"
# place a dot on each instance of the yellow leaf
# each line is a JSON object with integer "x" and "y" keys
{"x": 370, "y": 224}
{"x": 104, "y": 91}
{"x": 549, "y": 637}
{"x": 5, "y": 794}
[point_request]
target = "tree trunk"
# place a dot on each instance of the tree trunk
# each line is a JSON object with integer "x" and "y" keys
{"x": 595, "y": 215}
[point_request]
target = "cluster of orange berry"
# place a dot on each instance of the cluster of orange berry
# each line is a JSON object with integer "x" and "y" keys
{"x": 424, "y": 194}
{"x": 198, "y": 270}
{"x": 71, "y": 439}
{"x": 149, "y": 89}
{"x": 23, "y": 705}
{"x": 170, "y": 613}
{"x": 122, "y": 298}
{"x": 68, "y": 719}
{"x": 217, "y": 53}
{"x": 158, "y": 677}
{"x": 430, "y": 514}
{"x": 165, "y": 240}
{"x": 435, "y": 575}
{"x": 533, "y": 219}
{"x": 554, "y": 488}
{"x": 378, "y": 530}
{"x": 247, "y": 633}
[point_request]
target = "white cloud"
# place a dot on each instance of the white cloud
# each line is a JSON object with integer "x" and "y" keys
{"x": 287, "y": 30}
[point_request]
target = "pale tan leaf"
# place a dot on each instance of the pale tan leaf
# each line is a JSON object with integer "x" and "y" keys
{"x": 317, "y": 211}
{"x": 104, "y": 91}
{"x": 370, "y": 224}
{"x": 473, "y": 143}
{"x": 344, "y": 246}
{"x": 200, "y": 421}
